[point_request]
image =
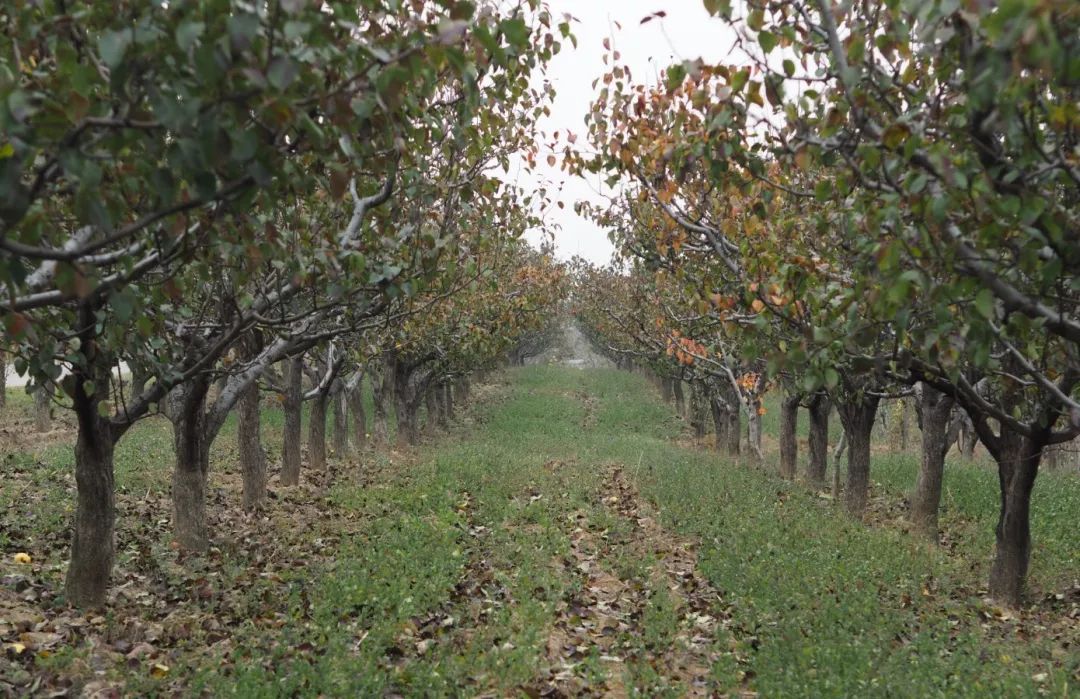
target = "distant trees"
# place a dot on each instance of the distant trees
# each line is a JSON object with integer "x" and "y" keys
{"x": 878, "y": 196}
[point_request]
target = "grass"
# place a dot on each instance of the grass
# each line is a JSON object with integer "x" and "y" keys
{"x": 452, "y": 574}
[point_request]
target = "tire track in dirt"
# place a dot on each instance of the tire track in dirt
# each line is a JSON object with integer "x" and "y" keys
{"x": 599, "y": 629}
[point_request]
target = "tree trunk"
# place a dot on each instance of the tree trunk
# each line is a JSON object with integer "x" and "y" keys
{"x": 857, "y": 414}
{"x": 933, "y": 410}
{"x": 249, "y": 445}
{"x": 753, "y": 430}
{"x": 92, "y": 541}
{"x": 720, "y": 424}
{"x": 43, "y": 408}
{"x": 404, "y": 405}
{"x": 734, "y": 428}
{"x": 448, "y": 402}
{"x": 380, "y": 386}
{"x": 191, "y": 442}
{"x": 1018, "y": 460}
{"x": 838, "y": 459}
{"x": 905, "y": 423}
{"x": 340, "y": 438}
{"x": 697, "y": 410}
{"x": 789, "y": 445}
{"x": 680, "y": 399}
{"x": 967, "y": 438}
{"x": 3, "y": 380}
{"x": 317, "y": 431}
{"x": 818, "y": 442}
{"x": 667, "y": 389}
{"x": 359, "y": 415}
{"x": 291, "y": 432}
{"x": 431, "y": 404}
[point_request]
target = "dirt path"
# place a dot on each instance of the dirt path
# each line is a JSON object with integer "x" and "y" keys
{"x": 642, "y": 615}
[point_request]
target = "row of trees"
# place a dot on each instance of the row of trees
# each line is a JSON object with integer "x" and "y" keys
{"x": 872, "y": 199}
{"x": 235, "y": 195}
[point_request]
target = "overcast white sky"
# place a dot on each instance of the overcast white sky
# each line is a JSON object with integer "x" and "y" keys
{"x": 686, "y": 33}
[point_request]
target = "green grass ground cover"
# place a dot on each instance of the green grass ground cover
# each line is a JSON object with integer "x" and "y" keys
{"x": 456, "y": 569}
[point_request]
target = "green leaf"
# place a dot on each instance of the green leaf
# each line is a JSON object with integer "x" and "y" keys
{"x": 188, "y": 33}
{"x": 113, "y": 45}
{"x": 768, "y": 41}
{"x": 123, "y": 305}
{"x": 282, "y": 72}
{"x": 984, "y": 303}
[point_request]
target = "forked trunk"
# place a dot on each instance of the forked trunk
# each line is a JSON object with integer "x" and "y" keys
{"x": 818, "y": 442}
{"x": 249, "y": 444}
{"x": 291, "y": 431}
{"x": 857, "y": 415}
{"x": 933, "y": 409}
{"x": 191, "y": 443}
{"x": 789, "y": 445}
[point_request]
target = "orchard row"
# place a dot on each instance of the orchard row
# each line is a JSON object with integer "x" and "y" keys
{"x": 261, "y": 197}
{"x": 869, "y": 200}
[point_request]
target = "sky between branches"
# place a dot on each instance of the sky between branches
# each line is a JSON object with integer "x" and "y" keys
{"x": 685, "y": 33}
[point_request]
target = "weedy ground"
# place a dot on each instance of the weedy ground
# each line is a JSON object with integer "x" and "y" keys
{"x": 563, "y": 539}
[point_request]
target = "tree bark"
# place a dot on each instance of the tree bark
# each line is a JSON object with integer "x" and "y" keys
{"x": 191, "y": 443}
{"x": 857, "y": 414}
{"x": 720, "y": 423}
{"x": 380, "y": 386}
{"x": 404, "y": 405}
{"x": 818, "y": 442}
{"x": 734, "y": 429}
{"x": 43, "y": 408}
{"x": 317, "y": 430}
{"x": 92, "y": 542}
{"x": 905, "y": 424}
{"x": 431, "y": 404}
{"x": 1018, "y": 459}
{"x": 448, "y": 402}
{"x": 249, "y": 445}
{"x": 789, "y": 445}
{"x": 291, "y": 432}
{"x": 967, "y": 438}
{"x": 933, "y": 410}
{"x": 838, "y": 459}
{"x": 3, "y": 380}
{"x": 680, "y": 399}
{"x": 340, "y": 436}
{"x": 359, "y": 415}
{"x": 667, "y": 389}
{"x": 753, "y": 430}
{"x": 697, "y": 410}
